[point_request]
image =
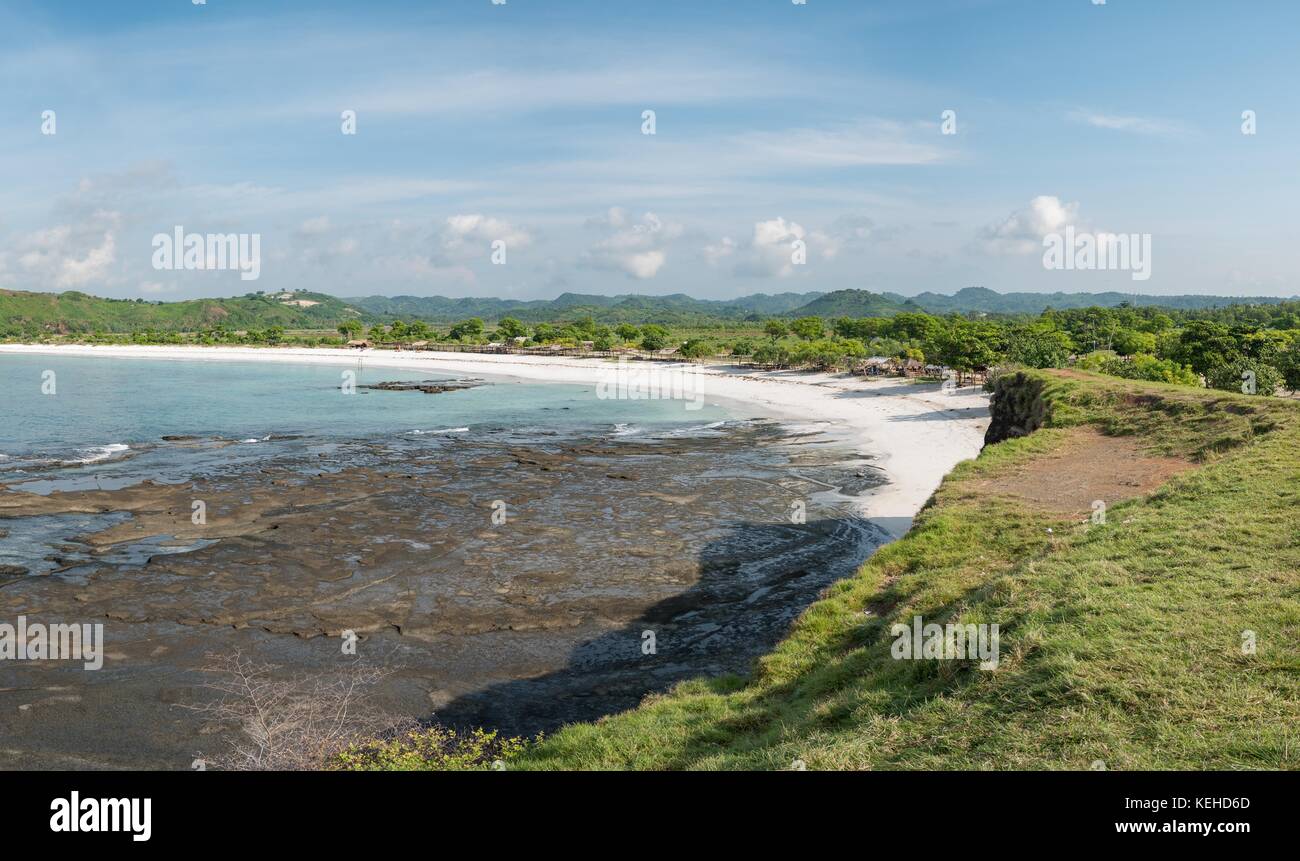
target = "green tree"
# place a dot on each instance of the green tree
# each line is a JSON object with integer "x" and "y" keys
{"x": 698, "y": 348}
{"x": 467, "y": 330}
{"x": 653, "y": 337}
{"x": 742, "y": 347}
{"x": 963, "y": 346}
{"x": 772, "y": 354}
{"x": 808, "y": 328}
{"x": 1204, "y": 344}
{"x": 1288, "y": 362}
{"x": 1038, "y": 346}
{"x": 776, "y": 329}
{"x": 1129, "y": 342}
{"x": 1244, "y": 374}
{"x": 510, "y": 328}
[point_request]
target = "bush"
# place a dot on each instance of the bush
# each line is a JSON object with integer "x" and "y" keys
{"x": 1233, "y": 377}
{"x": 1141, "y": 366}
{"x": 467, "y": 330}
{"x": 434, "y": 749}
{"x": 772, "y": 354}
{"x": 698, "y": 348}
{"x": 743, "y": 347}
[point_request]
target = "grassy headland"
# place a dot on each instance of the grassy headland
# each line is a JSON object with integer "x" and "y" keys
{"x": 1121, "y": 642}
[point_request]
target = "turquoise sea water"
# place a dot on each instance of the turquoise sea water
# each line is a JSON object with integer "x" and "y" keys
{"x": 104, "y": 428}
{"x": 105, "y": 410}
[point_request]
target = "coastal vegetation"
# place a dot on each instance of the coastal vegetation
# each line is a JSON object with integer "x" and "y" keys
{"x": 1248, "y": 347}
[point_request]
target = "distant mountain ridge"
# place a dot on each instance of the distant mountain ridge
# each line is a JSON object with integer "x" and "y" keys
{"x": 680, "y": 308}
{"x": 27, "y": 314}
{"x": 975, "y": 299}
{"x": 630, "y": 308}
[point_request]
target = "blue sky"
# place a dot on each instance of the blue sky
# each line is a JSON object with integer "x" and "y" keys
{"x": 522, "y": 123}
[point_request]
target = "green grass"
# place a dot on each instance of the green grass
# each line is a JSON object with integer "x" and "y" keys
{"x": 1119, "y": 642}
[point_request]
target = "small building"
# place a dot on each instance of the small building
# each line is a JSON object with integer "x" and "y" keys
{"x": 875, "y": 366}
{"x": 359, "y": 345}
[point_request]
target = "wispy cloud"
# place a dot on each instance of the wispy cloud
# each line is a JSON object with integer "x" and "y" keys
{"x": 864, "y": 143}
{"x": 1153, "y": 126}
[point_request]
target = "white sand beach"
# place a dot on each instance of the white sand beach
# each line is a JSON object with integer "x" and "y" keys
{"x": 915, "y": 432}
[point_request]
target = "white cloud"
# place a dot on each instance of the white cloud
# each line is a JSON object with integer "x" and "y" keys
{"x": 315, "y": 226}
{"x": 717, "y": 251}
{"x": 70, "y": 256}
{"x": 472, "y": 235}
{"x": 847, "y": 231}
{"x": 1137, "y": 125}
{"x": 637, "y": 249}
{"x": 868, "y": 142}
{"x": 665, "y": 81}
{"x": 1022, "y": 232}
{"x": 645, "y": 264}
{"x": 771, "y": 249}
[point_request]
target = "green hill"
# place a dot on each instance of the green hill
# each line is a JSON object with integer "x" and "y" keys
{"x": 37, "y": 314}
{"x": 855, "y": 303}
{"x": 24, "y": 314}
{"x": 1122, "y": 642}
{"x": 674, "y": 309}
{"x": 981, "y": 299}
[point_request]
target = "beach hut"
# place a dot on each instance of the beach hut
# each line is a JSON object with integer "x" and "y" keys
{"x": 359, "y": 345}
{"x": 875, "y": 366}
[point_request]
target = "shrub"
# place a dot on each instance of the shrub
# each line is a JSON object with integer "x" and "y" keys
{"x": 697, "y": 348}
{"x": 1232, "y": 377}
{"x": 433, "y": 749}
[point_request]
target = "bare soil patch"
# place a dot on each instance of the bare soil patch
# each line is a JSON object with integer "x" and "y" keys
{"x": 1088, "y": 466}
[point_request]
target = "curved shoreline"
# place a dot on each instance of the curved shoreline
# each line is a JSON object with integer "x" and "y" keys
{"x": 914, "y": 432}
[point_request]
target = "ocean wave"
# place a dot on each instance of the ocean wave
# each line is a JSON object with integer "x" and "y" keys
{"x": 439, "y": 430}
{"x": 712, "y": 429}
{"x": 97, "y": 453}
